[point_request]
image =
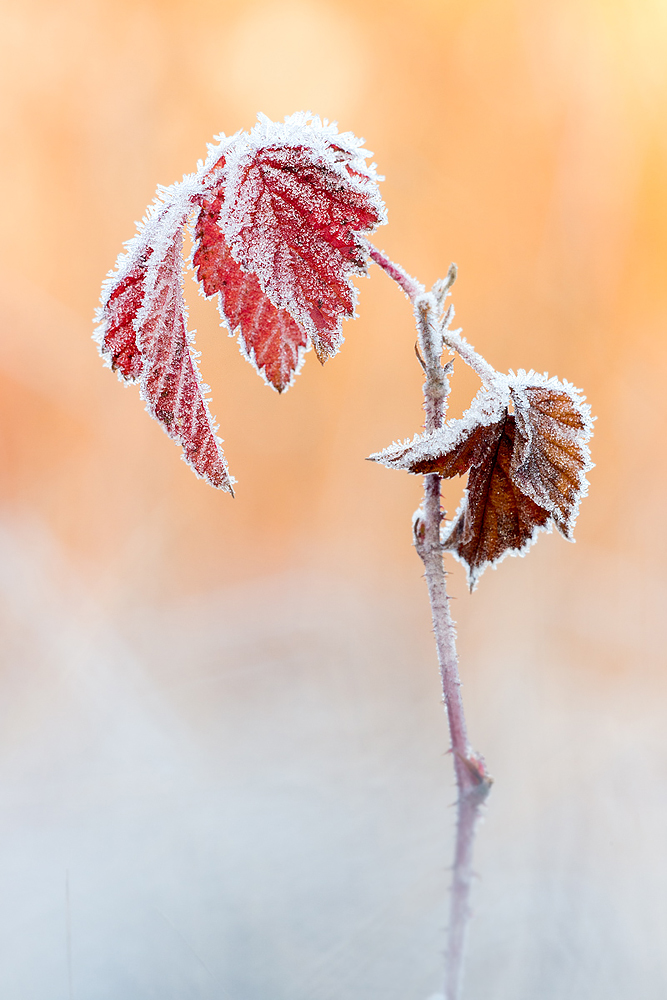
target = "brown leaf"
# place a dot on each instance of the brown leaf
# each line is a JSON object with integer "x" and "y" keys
{"x": 551, "y": 457}
{"x": 495, "y": 518}
{"x": 527, "y": 469}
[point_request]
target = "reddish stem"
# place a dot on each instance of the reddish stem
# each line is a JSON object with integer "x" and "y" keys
{"x": 410, "y": 285}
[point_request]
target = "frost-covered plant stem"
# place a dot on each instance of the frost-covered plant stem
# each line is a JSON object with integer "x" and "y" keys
{"x": 472, "y": 781}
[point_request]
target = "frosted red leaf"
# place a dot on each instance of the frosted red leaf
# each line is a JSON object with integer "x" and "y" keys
{"x": 269, "y": 337}
{"x": 118, "y": 342}
{"x": 142, "y": 334}
{"x": 280, "y": 214}
{"x": 295, "y": 203}
{"x": 170, "y": 382}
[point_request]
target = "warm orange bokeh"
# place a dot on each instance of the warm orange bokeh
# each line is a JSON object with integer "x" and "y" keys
{"x": 523, "y": 139}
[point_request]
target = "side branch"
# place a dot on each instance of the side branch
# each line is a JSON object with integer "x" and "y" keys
{"x": 455, "y": 342}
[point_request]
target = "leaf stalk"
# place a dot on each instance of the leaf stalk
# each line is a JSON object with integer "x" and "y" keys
{"x": 410, "y": 285}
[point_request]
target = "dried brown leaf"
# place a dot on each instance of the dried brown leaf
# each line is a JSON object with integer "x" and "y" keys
{"x": 527, "y": 468}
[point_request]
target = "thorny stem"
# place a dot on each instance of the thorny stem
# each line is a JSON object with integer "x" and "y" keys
{"x": 472, "y": 779}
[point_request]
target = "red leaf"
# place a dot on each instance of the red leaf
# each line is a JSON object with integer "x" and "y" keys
{"x": 277, "y": 237}
{"x": 117, "y": 337}
{"x": 268, "y": 337}
{"x": 170, "y": 382}
{"x": 142, "y": 332}
{"x": 295, "y": 201}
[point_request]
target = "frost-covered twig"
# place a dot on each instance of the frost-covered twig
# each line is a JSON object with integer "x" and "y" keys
{"x": 472, "y": 780}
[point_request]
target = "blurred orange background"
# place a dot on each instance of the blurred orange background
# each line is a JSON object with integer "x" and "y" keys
{"x": 523, "y": 140}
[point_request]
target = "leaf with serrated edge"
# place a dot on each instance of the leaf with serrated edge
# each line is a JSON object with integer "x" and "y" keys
{"x": 122, "y": 297}
{"x": 268, "y": 337}
{"x": 453, "y": 438}
{"x": 551, "y": 457}
{"x": 496, "y": 518}
{"x": 281, "y": 213}
{"x": 142, "y": 333}
{"x": 170, "y": 382}
{"x": 297, "y": 196}
{"x": 527, "y": 469}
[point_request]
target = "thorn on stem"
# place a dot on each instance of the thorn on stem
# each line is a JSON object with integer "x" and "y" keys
{"x": 475, "y": 769}
{"x": 419, "y": 356}
{"x": 447, "y": 318}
